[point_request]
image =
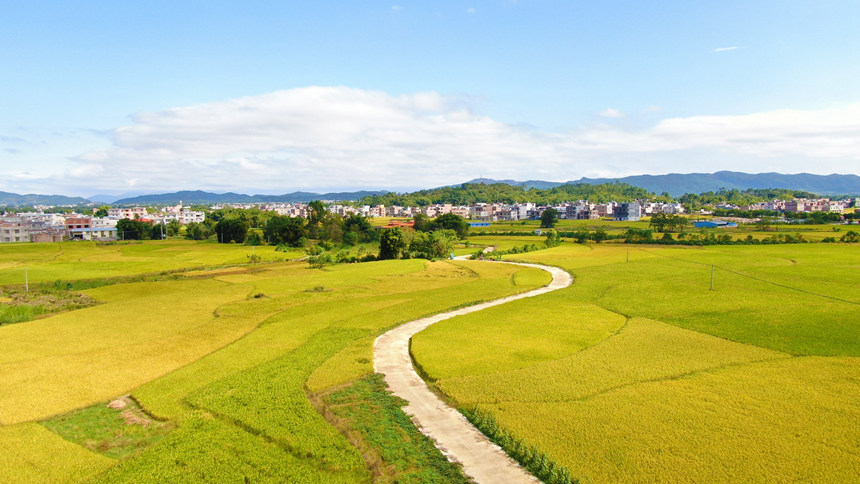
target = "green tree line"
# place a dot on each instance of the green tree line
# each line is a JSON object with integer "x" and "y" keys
{"x": 469, "y": 193}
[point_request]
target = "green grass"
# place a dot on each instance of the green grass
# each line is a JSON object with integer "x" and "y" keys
{"x": 21, "y": 306}
{"x": 394, "y": 448}
{"x": 18, "y": 314}
{"x": 114, "y": 432}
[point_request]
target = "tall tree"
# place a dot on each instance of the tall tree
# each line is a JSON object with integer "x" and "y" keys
{"x": 451, "y": 221}
{"x": 549, "y": 218}
{"x": 133, "y": 229}
{"x": 285, "y": 230}
{"x": 392, "y": 243}
{"x": 232, "y": 230}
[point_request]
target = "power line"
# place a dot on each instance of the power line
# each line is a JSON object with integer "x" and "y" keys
{"x": 751, "y": 277}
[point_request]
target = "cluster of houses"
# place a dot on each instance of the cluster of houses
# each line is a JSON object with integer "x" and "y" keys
{"x": 56, "y": 227}
{"x": 490, "y": 212}
{"x": 53, "y": 227}
{"x": 797, "y": 205}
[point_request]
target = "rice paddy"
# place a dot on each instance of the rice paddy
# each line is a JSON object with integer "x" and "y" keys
{"x": 639, "y": 372}
{"x": 227, "y": 356}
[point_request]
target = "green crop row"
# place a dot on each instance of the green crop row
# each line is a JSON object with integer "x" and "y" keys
{"x": 269, "y": 400}
{"x": 400, "y": 452}
{"x": 530, "y": 457}
{"x": 207, "y": 449}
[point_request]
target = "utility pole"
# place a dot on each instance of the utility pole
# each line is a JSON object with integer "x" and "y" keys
{"x": 712, "y": 277}
{"x": 26, "y": 281}
{"x": 628, "y": 252}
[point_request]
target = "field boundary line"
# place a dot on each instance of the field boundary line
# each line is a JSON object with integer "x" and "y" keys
{"x": 452, "y": 434}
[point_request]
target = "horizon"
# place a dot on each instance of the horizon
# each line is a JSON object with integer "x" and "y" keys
{"x": 105, "y": 98}
{"x": 111, "y": 198}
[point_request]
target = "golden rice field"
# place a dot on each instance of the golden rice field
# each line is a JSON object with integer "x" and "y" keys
{"x": 33, "y": 454}
{"x": 227, "y": 355}
{"x": 70, "y": 261}
{"x": 640, "y": 373}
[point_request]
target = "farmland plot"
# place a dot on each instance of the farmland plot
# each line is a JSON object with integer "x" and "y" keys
{"x": 755, "y": 381}
{"x": 227, "y": 356}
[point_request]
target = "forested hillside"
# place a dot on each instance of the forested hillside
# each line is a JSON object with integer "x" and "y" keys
{"x": 504, "y": 193}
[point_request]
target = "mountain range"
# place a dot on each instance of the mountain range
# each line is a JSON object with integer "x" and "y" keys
{"x": 677, "y": 184}
{"x": 199, "y": 197}
{"x": 14, "y": 200}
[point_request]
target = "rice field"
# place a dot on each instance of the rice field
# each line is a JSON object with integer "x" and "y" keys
{"x": 33, "y": 454}
{"x": 640, "y": 373}
{"x": 72, "y": 261}
{"x": 226, "y": 355}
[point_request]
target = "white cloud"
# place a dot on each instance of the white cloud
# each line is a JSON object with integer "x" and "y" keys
{"x": 726, "y": 49}
{"x": 471, "y": 10}
{"x": 612, "y": 113}
{"x": 336, "y": 137}
{"x": 396, "y": 8}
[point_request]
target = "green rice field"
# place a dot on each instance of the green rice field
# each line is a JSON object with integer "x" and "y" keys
{"x": 646, "y": 369}
{"x": 233, "y": 362}
{"x": 639, "y": 372}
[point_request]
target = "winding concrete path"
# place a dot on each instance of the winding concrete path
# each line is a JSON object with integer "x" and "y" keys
{"x": 458, "y": 440}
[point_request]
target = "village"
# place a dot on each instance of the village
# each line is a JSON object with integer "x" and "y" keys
{"x": 43, "y": 226}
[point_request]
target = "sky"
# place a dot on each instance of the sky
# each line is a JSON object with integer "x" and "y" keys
{"x": 272, "y": 97}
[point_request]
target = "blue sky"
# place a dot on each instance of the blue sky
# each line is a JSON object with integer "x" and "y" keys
{"x": 271, "y": 97}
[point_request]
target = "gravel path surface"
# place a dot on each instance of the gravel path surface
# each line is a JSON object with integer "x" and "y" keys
{"x": 458, "y": 440}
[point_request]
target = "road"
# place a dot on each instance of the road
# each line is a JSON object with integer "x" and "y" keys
{"x": 458, "y": 440}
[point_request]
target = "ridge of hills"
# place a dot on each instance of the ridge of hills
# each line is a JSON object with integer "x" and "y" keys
{"x": 676, "y": 184}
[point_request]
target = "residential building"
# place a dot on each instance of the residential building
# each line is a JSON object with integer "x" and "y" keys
{"x": 129, "y": 213}
{"x": 93, "y": 233}
{"x": 628, "y": 211}
{"x": 14, "y": 232}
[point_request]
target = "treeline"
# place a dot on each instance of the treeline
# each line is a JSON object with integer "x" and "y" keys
{"x": 646, "y": 236}
{"x": 741, "y": 197}
{"x": 431, "y": 239}
{"x": 813, "y": 218}
{"x": 138, "y": 230}
{"x": 469, "y": 193}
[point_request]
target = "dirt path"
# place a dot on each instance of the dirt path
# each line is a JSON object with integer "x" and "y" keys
{"x": 458, "y": 440}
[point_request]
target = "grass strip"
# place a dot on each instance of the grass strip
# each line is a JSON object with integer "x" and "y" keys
{"x": 394, "y": 449}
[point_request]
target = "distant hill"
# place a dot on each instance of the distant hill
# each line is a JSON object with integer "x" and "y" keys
{"x": 109, "y": 198}
{"x": 199, "y": 197}
{"x": 15, "y": 200}
{"x": 677, "y": 184}
{"x": 469, "y": 193}
{"x": 543, "y": 185}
